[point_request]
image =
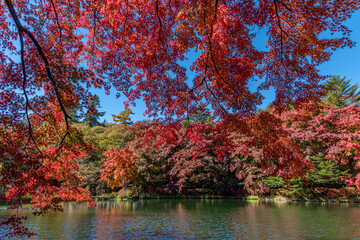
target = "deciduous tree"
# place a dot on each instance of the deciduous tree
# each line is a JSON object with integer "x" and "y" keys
{"x": 329, "y": 134}
{"x": 119, "y": 167}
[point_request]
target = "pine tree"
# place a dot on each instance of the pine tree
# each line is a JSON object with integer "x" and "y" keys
{"x": 123, "y": 118}
{"x": 92, "y": 116}
{"x": 341, "y": 93}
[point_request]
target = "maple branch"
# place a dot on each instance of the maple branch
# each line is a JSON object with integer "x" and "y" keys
{"x": 246, "y": 102}
{"x": 215, "y": 16}
{"x": 57, "y": 21}
{"x": 96, "y": 16}
{"x": 157, "y": 14}
{"x": 13, "y": 14}
{"x": 194, "y": 88}
{"x": 27, "y": 104}
{"x": 48, "y": 71}
{"x": 160, "y": 22}
{"x": 281, "y": 30}
{"x": 31, "y": 136}
{"x": 207, "y": 56}
{"x": 215, "y": 66}
{"x": 284, "y": 4}
{"x": 93, "y": 39}
{"x": 281, "y": 39}
{"x": 232, "y": 87}
{"x": 213, "y": 61}
{"x": 21, "y": 30}
{"x": 62, "y": 140}
{"x": 292, "y": 26}
{"x": 218, "y": 102}
{"x": 8, "y": 125}
{"x": 170, "y": 7}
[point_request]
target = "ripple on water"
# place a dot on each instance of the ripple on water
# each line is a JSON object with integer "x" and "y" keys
{"x": 197, "y": 219}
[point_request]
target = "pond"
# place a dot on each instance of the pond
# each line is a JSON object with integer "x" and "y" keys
{"x": 198, "y": 219}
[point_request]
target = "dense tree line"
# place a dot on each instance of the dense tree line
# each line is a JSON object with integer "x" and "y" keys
{"x": 199, "y": 156}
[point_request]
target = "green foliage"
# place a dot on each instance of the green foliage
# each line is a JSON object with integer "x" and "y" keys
{"x": 92, "y": 116}
{"x": 89, "y": 169}
{"x": 87, "y": 113}
{"x": 341, "y": 93}
{"x": 123, "y": 118}
{"x": 318, "y": 182}
{"x": 166, "y": 164}
{"x": 76, "y": 113}
{"x": 274, "y": 182}
{"x": 325, "y": 173}
{"x": 202, "y": 115}
{"x": 103, "y": 138}
{"x": 252, "y": 198}
{"x": 152, "y": 171}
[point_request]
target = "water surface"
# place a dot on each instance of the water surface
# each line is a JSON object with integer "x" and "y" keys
{"x": 198, "y": 219}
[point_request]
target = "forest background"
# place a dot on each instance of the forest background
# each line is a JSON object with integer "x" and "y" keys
{"x": 147, "y": 159}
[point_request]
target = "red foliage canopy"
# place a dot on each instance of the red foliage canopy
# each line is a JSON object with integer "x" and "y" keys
{"x": 196, "y": 145}
{"x": 332, "y": 132}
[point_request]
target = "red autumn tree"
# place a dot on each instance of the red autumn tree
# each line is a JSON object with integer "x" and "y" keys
{"x": 119, "y": 167}
{"x": 51, "y": 50}
{"x": 185, "y": 156}
{"x": 38, "y": 168}
{"x": 195, "y": 155}
{"x": 333, "y": 133}
{"x": 265, "y": 148}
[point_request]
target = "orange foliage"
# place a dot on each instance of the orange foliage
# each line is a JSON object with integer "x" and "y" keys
{"x": 119, "y": 167}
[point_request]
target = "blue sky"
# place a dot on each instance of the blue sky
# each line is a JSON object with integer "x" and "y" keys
{"x": 344, "y": 62}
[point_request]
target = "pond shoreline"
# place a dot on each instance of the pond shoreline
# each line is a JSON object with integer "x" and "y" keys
{"x": 243, "y": 198}
{"x": 252, "y": 198}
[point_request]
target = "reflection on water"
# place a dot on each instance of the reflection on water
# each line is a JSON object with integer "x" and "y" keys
{"x": 198, "y": 219}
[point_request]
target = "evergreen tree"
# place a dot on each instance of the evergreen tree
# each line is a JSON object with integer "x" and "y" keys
{"x": 77, "y": 113}
{"x": 340, "y": 92}
{"x": 201, "y": 115}
{"x": 93, "y": 115}
{"x": 123, "y": 118}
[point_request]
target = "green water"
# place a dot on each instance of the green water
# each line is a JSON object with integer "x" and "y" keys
{"x": 198, "y": 219}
